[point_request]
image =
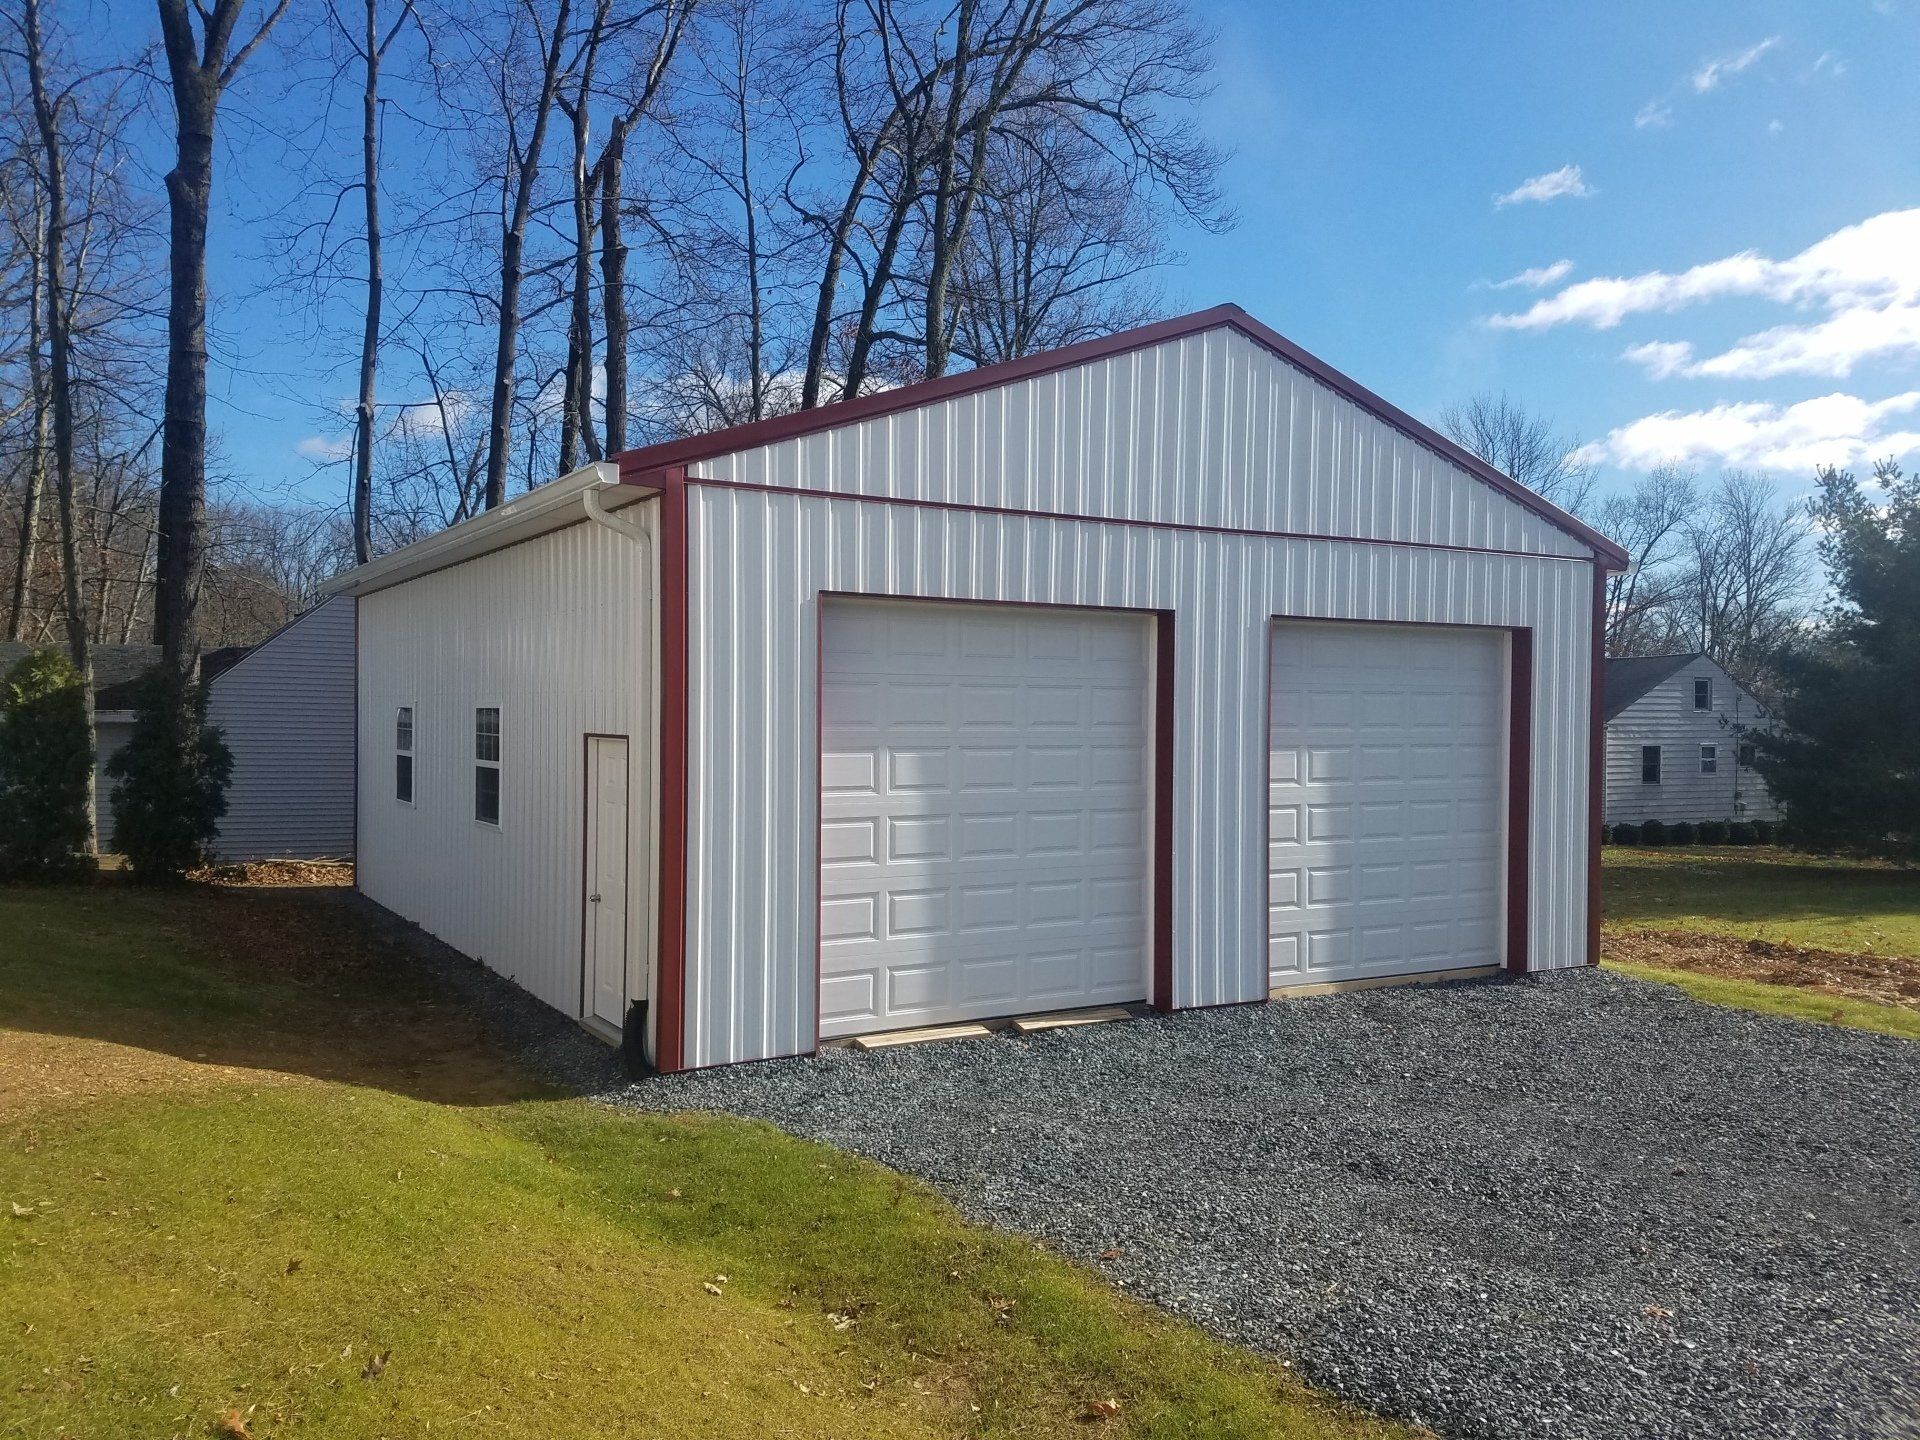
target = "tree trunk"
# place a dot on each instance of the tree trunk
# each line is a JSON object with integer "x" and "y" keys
{"x": 613, "y": 286}
{"x": 756, "y": 322}
{"x": 29, "y": 551}
{"x": 370, "y": 331}
{"x": 823, "y": 304}
{"x": 513, "y": 240}
{"x": 60, "y": 383}
{"x": 183, "y": 435}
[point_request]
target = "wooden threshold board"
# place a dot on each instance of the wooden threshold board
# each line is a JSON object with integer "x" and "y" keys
{"x": 1019, "y": 1025}
{"x": 1379, "y": 982}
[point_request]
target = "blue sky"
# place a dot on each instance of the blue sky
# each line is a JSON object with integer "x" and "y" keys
{"x": 1372, "y": 140}
{"x": 1371, "y": 143}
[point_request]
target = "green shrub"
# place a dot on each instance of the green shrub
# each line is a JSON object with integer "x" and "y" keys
{"x": 173, "y": 774}
{"x": 45, "y": 764}
{"x": 1740, "y": 832}
{"x": 1682, "y": 833}
{"x": 1626, "y": 834}
{"x": 1713, "y": 832}
{"x": 1765, "y": 832}
{"x": 1654, "y": 832}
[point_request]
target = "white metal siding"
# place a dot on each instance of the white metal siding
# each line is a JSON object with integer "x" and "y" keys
{"x": 553, "y": 632}
{"x": 1665, "y": 716}
{"x": 758, "y": 563}
{"x": 1386, "y": 820}
{"x": 286, "y": 713}
{"x": 984, "y": 813}
{"x": 1209, "y": 430}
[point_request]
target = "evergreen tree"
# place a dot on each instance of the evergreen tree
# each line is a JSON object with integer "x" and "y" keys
{"x": 45, "y": 762}
{"x": 173, "y": 774}
{"x": 1845, "y": 763}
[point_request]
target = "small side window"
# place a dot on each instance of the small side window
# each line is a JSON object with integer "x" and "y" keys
{"x": 1650, "y": 764}
{"x": 1703, "y": 694}
{"x": 1746, "y": 755}
{"x": 403, "y": 755}
{"x": 486, "y": 765}
{"x": 1709, "y": 759}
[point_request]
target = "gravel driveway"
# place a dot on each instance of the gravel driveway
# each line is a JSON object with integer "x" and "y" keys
{"x": 1574, "y": 1205}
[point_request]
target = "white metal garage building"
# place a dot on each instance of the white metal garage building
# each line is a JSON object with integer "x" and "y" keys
{"x": 1172, "y": 667}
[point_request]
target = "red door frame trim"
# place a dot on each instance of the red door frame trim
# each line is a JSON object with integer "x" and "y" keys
{"x": 1596, "y": 760}
{"x": 1519, "y": 776}
{"x": 1160, "y": 859}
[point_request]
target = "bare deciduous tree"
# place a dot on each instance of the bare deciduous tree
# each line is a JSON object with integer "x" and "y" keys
{"x": 202, "y": 61}
{"x": 1523, "y": 446}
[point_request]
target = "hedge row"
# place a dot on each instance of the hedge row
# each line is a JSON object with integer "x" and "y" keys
{"x": 1686, "y": 832}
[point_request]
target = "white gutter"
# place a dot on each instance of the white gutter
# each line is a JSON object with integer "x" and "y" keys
{"x": 553, "y": 506}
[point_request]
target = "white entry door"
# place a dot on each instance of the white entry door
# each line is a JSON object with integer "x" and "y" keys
{"x": 983, "y": 812}
{"x": 1386, "y": 800}
{"x": 605, "y": 897}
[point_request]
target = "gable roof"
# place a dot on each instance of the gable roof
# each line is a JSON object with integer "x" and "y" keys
{"x": 1630, "y": 678}
{"x": 679, "y": 453}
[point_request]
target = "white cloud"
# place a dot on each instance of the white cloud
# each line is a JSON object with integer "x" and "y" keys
{"x": 325, "y": 448}
{"x": 1564, "y": 183}
{"x": 1661, "y": 357}
{"x": 1866, "y": 277}
{"x": 1709, "y": 75}
{"x": 1774, "y": 127}
{"x": 1829, "y": 65}
{"x": 1537, "y": 277}
{"x": 1829, "y": 430}
{"x": 1654, "y": 115}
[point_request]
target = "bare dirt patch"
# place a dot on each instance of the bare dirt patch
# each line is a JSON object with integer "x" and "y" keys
{"x": 1885, "y": 979}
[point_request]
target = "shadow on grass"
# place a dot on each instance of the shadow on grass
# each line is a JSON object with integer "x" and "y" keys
{"x": 287, "y": 980}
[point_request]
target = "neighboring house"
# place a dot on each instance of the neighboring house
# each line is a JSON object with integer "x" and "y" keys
{"x": 285, "y": 709}
{"x": 115, "y": 669}
{"x": 1676, "y": 743}
{"x": 1170, "y": 668}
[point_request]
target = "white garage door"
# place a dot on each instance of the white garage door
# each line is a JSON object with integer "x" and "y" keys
{"x": 1386, "y": 800}
{"x": 983, "y": 812}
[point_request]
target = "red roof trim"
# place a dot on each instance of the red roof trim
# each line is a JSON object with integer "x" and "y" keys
{"x": 908, "y": 397}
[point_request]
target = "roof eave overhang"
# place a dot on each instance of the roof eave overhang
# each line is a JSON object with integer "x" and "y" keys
{"x": 553, "y": 506}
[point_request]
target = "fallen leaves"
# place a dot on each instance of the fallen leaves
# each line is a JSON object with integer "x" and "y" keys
{"x": 22, "y": 1212}
{"x": 376, "y": 1365}
{"x": 234, "y": 1426}
{"x": 1101, "y": 1410}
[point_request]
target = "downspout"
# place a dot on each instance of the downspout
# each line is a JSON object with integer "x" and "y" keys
{"x": 634, "y": 1050}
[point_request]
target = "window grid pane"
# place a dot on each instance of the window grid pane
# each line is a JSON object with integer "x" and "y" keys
{"x": 486, "y": 735}
{"x": 486, "y": 794}
{"x": 403, "y": 778}
{"x": 1709, "y": 759}
{"x": 1703, "y": 694}
{"x": 1650, "y": 764}
{"x": 403, "y": 728}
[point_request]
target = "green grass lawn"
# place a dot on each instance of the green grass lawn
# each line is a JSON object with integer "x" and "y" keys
{"x": 1774, "y": 895}
{"x": 337, "y": 1216}
{"x": 1766, "y": 894}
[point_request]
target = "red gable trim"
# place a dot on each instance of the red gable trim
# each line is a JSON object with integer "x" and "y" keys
{"x": 1232, "y": 317}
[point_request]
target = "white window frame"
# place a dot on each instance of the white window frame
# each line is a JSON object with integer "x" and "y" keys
{"x": 406, "y": 751}
{"x": 1707, "y": 682}
{"x": 1659, "y": 764}
{"x": 1709, "y": 759}
{"x": 497, "y": 765}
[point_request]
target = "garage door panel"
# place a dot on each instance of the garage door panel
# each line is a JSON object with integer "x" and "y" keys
{"x": 988, "y": 857}
{"x": 1385, "y": 800}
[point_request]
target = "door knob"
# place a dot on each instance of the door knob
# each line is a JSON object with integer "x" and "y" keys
{"x": 594, "y": 898}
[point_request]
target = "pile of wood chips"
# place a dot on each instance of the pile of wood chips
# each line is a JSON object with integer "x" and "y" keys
{"x": 259, "y": 873}
{"x": 1887, "y": 979}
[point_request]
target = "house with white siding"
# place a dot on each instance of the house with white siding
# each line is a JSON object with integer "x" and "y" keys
{"x": 285, "y": 710}
{"x": 1167, "y": 670}
{"x": 1677, "y": 743}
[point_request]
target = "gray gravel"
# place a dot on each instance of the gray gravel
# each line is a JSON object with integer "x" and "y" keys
{"x": 1574, "y": 1205}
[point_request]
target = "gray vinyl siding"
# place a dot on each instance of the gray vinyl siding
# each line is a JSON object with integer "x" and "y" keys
{"x": 1665, "y": 716}
{"x": 286, "y": 711}
{"x": 111, "y": 731}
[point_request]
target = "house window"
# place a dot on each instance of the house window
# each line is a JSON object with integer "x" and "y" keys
{"x": 403, "y": 754}
{"x": 1709, "y": 759}
{"x": 486, "y": 765}
{"x": 1650, "y": 764}
{"x": 1746, "y": 755}
{"x": 1703, "y": 694}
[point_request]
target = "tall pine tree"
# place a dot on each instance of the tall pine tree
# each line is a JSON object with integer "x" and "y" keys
{"x": 1845, "y": 762}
